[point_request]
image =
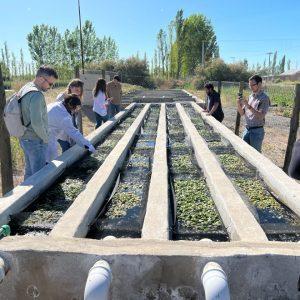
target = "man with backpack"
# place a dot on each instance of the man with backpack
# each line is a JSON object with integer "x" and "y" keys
{"x": 33, "y": 135}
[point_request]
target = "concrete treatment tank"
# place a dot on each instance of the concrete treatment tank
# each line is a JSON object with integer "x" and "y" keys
{"x": 166, "y": 192}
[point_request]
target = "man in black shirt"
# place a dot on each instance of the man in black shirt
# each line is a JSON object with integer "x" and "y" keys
{"x": 214, "y": 106}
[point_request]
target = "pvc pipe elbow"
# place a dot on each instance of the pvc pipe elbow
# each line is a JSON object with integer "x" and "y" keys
{"x": 98, "y": 281}
{"x": 215, "y": 283}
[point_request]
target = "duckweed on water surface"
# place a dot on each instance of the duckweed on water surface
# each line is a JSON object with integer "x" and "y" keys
{"x": 195, "y": 208}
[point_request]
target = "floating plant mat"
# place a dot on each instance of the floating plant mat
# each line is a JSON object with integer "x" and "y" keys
{"x": 276, "y": 219}
{"x": 124, "y": 212}
{"x": 196, "y": 215}
{"x": 44, "y": 212}
{"x": 183, "y": 164}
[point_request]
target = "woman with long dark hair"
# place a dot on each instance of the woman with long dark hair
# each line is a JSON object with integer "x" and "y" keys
{"x": 100, "y": 102}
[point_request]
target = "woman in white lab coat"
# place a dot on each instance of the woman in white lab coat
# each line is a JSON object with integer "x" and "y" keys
{"x": 60, "y": 123}
{"x": 75, "y": 86}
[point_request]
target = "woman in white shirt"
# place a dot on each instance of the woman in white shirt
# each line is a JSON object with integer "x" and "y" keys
{"x": 75, "y": 86}
{"x": 100, "y": 102}
{"x": 60, "y": 123}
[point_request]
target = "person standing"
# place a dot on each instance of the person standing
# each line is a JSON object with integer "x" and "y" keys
{"x": 34, "y": 113}
{"x": 254, "y": 110}
{"x": 114, "y": 92}
{"x": 294, "y": 167}
{"x": 75, "y": 86}
{"x": 214, "y": 105}
{"x": 100, "y": 102}
{"x": 60, "y": 123}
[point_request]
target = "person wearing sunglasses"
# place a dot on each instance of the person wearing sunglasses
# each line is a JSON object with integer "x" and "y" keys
{"x": 34, "y": 114}
{"x": 60, "y": 123}
{"x": 254, "y": 109}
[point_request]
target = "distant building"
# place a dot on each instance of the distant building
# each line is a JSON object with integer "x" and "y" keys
{"x": 293, "y": 75}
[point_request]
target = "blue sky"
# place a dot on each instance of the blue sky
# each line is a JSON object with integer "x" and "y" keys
{"x": 244, "y": 29}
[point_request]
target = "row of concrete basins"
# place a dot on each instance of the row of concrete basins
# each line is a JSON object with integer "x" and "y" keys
{"x": 160, "y": 171}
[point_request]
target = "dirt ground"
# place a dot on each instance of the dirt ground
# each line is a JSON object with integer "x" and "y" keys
{"x": 276, "y": 133}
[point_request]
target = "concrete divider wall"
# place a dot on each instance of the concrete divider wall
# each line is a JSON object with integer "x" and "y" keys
{"x": 238, "y": 220}
{"x": 286, "y": 188}
{"x": 22, "y": 195}
{"x": 75, "y": 222}
{"x": 156, "y": 222}
{"x": 143, "y": 269}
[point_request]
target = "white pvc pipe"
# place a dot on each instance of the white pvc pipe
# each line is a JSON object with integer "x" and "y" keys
{"x": 215, "y": 283}
{"x": 98, "y": 281}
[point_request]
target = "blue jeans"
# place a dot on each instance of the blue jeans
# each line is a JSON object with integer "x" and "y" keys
{"x": 35, "y": 155}
{"x": 113, "y": 109}
{"x": 254, "y": 137}
{"x": 100, "y": 119}
{"x": 65, "y": 145}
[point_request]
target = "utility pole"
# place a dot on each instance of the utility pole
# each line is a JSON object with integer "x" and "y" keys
{"x": 81, "y": 42}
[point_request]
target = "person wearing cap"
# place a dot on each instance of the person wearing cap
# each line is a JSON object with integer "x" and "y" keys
{"x": 254, "y": 109}
{"x": 60, "y": 122}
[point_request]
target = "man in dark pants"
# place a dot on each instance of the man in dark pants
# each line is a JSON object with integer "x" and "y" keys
{"x": 214, "y": 106}
{"x": 254, "y": 109}
{"x": 294, "y": 167}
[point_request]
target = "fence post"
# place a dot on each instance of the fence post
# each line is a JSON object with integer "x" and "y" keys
{"x": 294, "y": 125}
{"x": 238, "y": 116}
{"x": 219, "y": 87}
{"x": 5, "y": 150}
{"x": 79, "y": 114}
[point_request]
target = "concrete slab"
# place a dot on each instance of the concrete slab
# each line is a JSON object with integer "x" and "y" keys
{"x": 238, "y": 220}
{"x": 286, "y": 189}
{"x": 75, "y": 222}
{"x": 142, "y": 269}
{"x": 156, "y": 223}
{"x": 25, "y": 193}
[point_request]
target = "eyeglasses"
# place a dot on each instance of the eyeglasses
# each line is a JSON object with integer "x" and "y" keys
{"x": 50, "y": 83}
{"x": 252, "y": 84}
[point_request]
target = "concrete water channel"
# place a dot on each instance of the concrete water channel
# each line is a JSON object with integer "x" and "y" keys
{"x": 168, "y": 190}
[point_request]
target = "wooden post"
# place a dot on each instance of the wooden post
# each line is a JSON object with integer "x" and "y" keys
{"x": 5, "y": 150}
{"x": 238, "y": 116}
{"x": 219, "y": 87}
{"x": 294, "y": 125}
{"x": 103, "y": 74}
{"x": 78, "y": 117}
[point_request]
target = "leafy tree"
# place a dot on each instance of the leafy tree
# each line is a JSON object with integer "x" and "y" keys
{"x": 197, "y": 30}
{"x": 282, "y": 65}
{"x": 274, "y": 63}
{"x": 44, "y": 44}
{"x": 179, "y": 22}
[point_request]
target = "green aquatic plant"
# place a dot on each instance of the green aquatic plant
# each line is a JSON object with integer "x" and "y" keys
{"x": 195, "y": 207}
